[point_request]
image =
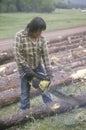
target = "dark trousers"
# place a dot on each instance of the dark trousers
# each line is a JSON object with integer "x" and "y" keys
{"x": 25, "y": 90}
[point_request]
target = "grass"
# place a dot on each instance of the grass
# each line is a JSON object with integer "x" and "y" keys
{"x": 52, "y": 123}
{"x": 13, "y": 22}
{"x": 64, "y": 121}
{"x": 58, "y": 122}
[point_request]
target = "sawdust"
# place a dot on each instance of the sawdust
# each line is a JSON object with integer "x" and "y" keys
{"x": 79, "y": 74}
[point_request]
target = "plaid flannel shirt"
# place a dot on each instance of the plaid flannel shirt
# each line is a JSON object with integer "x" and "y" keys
{"x": 28, "y": 53}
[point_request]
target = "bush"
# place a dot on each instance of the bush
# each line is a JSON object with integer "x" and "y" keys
{"x": 12, "y": 8}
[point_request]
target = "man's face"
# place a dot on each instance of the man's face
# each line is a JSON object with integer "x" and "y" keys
{"x": 36, "y": 34}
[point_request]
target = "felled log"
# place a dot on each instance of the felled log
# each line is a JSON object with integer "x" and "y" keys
{"x": 40, "y": 112}
{"x": 67, "y": 42}
{"x": 10, "y": 81}
{"x": 8, "y": 69}
{"x": 13, "y": 95}
{"x": 9, "y": 76}
{"x": 73, "y": 55}
{"x": 69, "y": 56}
{"x": 6, "y": 56}
{"x": 80, "y": 62}
{"x": 71, "y": 37}
{"x": 55, "y": 49}
{"x": 13, "y": 81}
{"x": 9, "y": 96}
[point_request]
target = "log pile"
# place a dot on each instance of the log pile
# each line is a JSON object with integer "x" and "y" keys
{"x": 68, "y": 59}
{"x": 12, "y": 95}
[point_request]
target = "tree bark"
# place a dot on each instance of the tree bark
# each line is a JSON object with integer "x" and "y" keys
{"x": 10, "y": 81}
{"x": 9, "y": 76}
{"x": 41, "y": 111}
{"x": 8, "y": 69}
{"x": 55, "y": 49}
{"x": 13, "y": 95}
{"x": 6, "y": 56}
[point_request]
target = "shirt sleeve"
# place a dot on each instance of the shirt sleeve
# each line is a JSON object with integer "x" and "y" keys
{"x": 18, "y": 51}
{"x": 45, "y": 57}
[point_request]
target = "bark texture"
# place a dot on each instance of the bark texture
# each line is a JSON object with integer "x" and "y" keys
{"x": 13, "y": 95}
{"x": 41, "y": 112}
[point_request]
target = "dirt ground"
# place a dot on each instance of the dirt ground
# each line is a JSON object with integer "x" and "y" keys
{"x": 7, "y": 43}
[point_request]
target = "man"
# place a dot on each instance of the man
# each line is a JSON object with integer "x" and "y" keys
{"x": 30, "y": 50}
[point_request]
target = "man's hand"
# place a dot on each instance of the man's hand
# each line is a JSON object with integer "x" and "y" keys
{"x": 28, "y": 71}
{"x": 51, "y": 76}
{"x": 49, "y": 73}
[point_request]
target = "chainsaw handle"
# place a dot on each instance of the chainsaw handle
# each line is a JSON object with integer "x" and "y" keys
{"x": 41, "y": 76}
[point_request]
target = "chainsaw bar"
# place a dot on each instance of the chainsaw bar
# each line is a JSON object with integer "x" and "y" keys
{"x": 55, "y": 92}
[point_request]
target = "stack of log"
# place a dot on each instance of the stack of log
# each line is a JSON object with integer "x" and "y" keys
{"x": 68, "y": 55}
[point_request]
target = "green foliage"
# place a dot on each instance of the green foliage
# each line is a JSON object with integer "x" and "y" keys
{"x": 47, "y": 6}
{"x": 8, "y": 6}
{"x": 27, "y": 5}
{"x": 62, "y": 4}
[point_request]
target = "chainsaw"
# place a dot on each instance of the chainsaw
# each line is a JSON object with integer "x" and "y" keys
{"x": 42, "y": 82}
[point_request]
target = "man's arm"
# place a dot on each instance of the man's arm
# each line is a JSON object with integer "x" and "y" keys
{"x": 46, "y": 59}
{"x": 18, "y": 53}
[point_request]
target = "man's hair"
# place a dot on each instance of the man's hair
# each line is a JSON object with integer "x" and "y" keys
{"x": 36, "y": 24}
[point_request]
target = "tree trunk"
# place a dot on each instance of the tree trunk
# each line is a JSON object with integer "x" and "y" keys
{"x": 6, "y": 56}
{"x": 9, "y": 76}
{"x": 12, "y": 96}
{"x": 41, "y": 112}
{"x": 8, "y": 69}
{"x": 55, "y": 49}
{"x": 13, "y": 80}
{"x": 10, "y": 81}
